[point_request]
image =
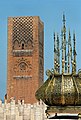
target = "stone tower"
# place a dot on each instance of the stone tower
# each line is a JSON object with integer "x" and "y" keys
{"x": 25, "y": 57}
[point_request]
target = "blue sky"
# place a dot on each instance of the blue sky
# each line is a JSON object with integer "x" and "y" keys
{"x": 50, "y": 12}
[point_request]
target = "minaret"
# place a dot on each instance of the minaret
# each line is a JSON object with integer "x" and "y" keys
{"x": 64, "y": 42}
{"x": 74, "y": 54}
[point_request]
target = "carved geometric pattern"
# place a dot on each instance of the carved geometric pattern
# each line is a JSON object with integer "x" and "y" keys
{"x": 22, "y": 77}
{"x": 22, "y": 66}
{"x": 19, "y": 53}
{"x": 57, "y": 85}
{"x": 68, "y": 85}
{"x": 22, "y": 36}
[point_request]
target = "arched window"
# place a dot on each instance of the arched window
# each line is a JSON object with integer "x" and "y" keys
{"x": 22, "y": 45}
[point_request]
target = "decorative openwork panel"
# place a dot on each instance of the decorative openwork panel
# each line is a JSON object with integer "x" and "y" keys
{"x": 22, "y": 33}
{"x": 69, "y": 90}
{"x": 57, "y": 85}
{"x": 57, "y": 90}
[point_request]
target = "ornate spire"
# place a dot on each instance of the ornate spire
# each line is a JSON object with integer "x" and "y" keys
{"x": 64, "y": 19}
{"x": 69, "y": 51}
{"x": 64, "y": 57}
{"x": 68, "y": 54}
{"x": 74, "y": 54}
{"x": 64, "y": 37}
{"x": 54, "y": 53}
{"x": 58, "y": 54}
{"x": 62, "y": 51}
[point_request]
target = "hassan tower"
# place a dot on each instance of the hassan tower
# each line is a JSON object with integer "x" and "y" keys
{"x": 25, "y": 57}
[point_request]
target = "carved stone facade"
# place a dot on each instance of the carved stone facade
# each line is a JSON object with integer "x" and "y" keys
{"x": 25, "y": 57}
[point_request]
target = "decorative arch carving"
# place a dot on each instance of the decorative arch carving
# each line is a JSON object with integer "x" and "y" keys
{"x": 29, "y": 44}
{"x": 16, "y": 44}
{"x": 23, "y": 66}
{"x": 22, "y": 44}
